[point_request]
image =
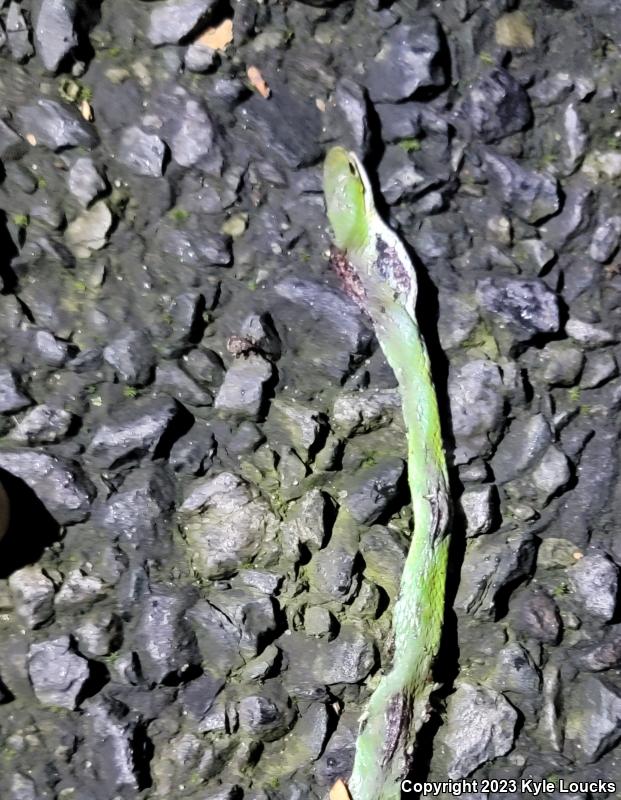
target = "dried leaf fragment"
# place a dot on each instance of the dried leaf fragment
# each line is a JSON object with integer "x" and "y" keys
{"x": 31, "y": 139}
{"x": 514, "y": 30}
{"x": 256, "y": 79}
{"x": 86, "y": 110}
{"x": 218, "y": 37}
{"x": 339, "y": 791}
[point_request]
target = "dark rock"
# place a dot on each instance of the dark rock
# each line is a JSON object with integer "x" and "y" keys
{"x": 193, "y": 244}
{"x": 515, "y": 671}
{"x": 114, "y": 744}
{"x": 62, "y": 685}
{"x": 400, "y": 121}
{"x": 171, "y": 379}
{"x": 55, "y": 125}
{"x": 193, "y": 453}
{"x": 174, "y": 20}
{"x": 593, "y": 724}
{"x": 477, "y": 506}
{"x": 492, "y": 566}
{"x": 143, "y": 153}
{"x": 411, "y": 59}
{"x": 351, "y": 102}
{"x": 480, "y": 727}
{"x": 18, "y": 33}
{"x": 338, "y": 327}
{"x": 200, "y": 58}
{"x": 595, "y": 580}
{"x": 602, "y": 655}
{"x": 11, "y": 398}
{"x": 12, "y": 146}
{"x": 288, "y": 125}
{"x": 58, "y": 482}
{"x": 139, "y": 512}
{"x": 400, "y": 178}
{"x": 605, "y": 241}
{"x": 243, "y": 390}
{"x": 198, "y": 696}
{"x": 218, "y": 639}
{"x": 373, "y": 490}
{"x": 526, "y": 307}
{"x": 267, "y": 716}
{"x": 225, "y": 525}
{"x": 497, "y": 106}
{"x": 55, "y": 31}
{"x": 133, "y": 430}
{"x": 477, "y": 401}
{"x": 133, "y": 357}
{"x": 185, "y": 321}
{"x": 85, "y": 182}
{"x": 532, "y": 196}
{"x": 521, "y": 447}
{"x": 50, "y": 350}
{"x": 99, "y": 633}
{"x": 33, "y": 593}
{"x": 537, "y": 616}
{"x": 165, "y": 641}
{"x": 254, "y": 614}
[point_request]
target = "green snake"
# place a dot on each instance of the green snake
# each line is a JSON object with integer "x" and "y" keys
{"x": 379, "y": 275}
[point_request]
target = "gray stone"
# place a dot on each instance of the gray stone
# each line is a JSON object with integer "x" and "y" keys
{"x": 458, "y": 319}
{"x": 165, "y": 642}
{"x": 605, "y": 654}
{"x": 552, "y": 473}
{"x": 267, "y": 716}
{"x": 12, "y": 146}
{"x": 58, "y": 482}
{"x": 33, "y": 593}
{"x": 575, "y": 217}
{"x": 18, "y": 33}
{"x": 173, "y": 380}
{"x": 90, "y": 230}
{"x": 252, "y": 612}
{"x": 410, "y": 59}
{"x": 143, "y": 153}
{"x": 558, "y": 363}
{"x": 605, "y": 241}
{"x": 364, "y": 411}
{"x": 588, "y": 333}
{"x": 192, "y": 244}
{"x": 51, "y": 351}
{"x": 133, "y": 430}
{"x": 293, "y": 424}
{"x": 480, "y": 727}
{"x": 84, "y": 181}
{"x": 532, "y": 196}
{"x": 317, "y": 661}
{"x": 79, "y": 589}
{"x": 593, "y": 719}
{"x": 351, "y": 102}
{"x": 497, "y": 106}
{"x": 305, "y": 524}
{"x": 400, "y": 179}
{"x": 132, "y": 356}
{"x": 491, "y": 564}
{"x": 99, "y": 633}
{"x": 243, "y": 390}
{"x": 373, "y": 490}
{"x": 55, "y": 125}
{"x": 226, "y": 526}
{"x": 477, "y": 506}
{"x": 555, "y": 553}
{"x": 536, "y": 616}
{"x": 62, "y": 684}
{"x": 139, "y": 512}
{"x": 595, "y": 581}
{"x": 400, "y": 121}
{"x": 194, "y": 138}
{"x": 476, "y": 396}
{"x": 218, "y": 640}
{"x": 289, "y": 125}
{"x": 111, "y": 743}
{"x": 515, "y": 671}
{"x": 11, "y": 398}
{"x": 44, "y": 424}
{"x": 521, "y": 447}
{"x": 536, "y": 252}
{"x": 200, "y": 58}
{"x": 174, "y": 20}
{"x": 526, "y": 308}
{"x": 552, "y": 89}
{"x": 55, "y": 31}
{"x": 599, "y": 368}
{"x": 575, "y": 138}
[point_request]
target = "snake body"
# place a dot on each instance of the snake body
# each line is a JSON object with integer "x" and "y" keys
{"x": 380, "y": 276}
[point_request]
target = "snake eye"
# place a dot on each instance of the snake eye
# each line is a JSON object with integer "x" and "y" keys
{"x": 352, "y": 169}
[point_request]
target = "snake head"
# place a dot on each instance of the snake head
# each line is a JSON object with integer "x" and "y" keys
{"x": 348, "y": 198}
